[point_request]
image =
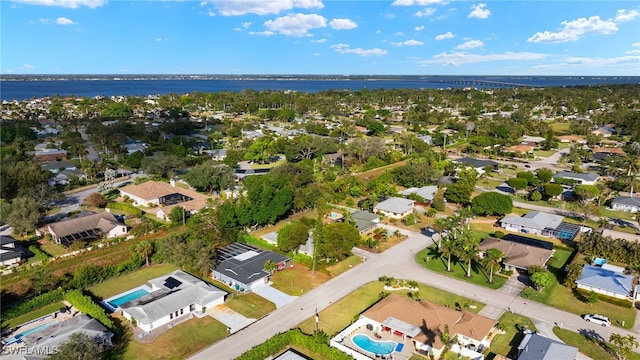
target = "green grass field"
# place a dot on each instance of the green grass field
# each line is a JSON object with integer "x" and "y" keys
{"x": 126, "y": 282}
{"x": 593, "y": 348}
{"x": 250, "y": 305}
{"x": 507, "y": 344}
{"x": 48, "y": 309}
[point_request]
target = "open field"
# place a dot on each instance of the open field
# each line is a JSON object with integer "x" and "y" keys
{"x": 126, "y": 282}
{"x": 48, "y": 309}
{"x": 298, "y": 280}
{"x": 250, "y": 305}
{"x": 593, "y": 348}
{"x": 507, "y": 344}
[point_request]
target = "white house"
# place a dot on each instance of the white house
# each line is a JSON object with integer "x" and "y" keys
{"x": 580, "y": 178}
{"x": 626, "y": 203}
{"x": 541, "y": 223}
{"x": 607, "y": 280}
{"x": 87, "y": 226}
{"x": 395, "y": 207}
{"x": 425, "y": 192}
{"x": 10, "y": 253}
{"x": 172, "y": 297}
{"x": 165, "y": 196}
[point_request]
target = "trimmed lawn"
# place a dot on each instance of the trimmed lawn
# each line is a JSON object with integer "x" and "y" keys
{"x": 53, "y": 249}
{"x": 48, "y": 309}
{"x": 593, "y": 348}
{"x": 180, "y": 342}
{"x": 543, "y": 153}
{"x": 430, "y": 259}
{"x": 606, "y": 212}
{"x": 126, "y": 282}
{"x": 339, "y": 315}
{"x": 560, "y": 127}
{"x": 298, "y": 280}
{"x": 507, "y": 344}
{"x": 250, "y": 305}
{"x": 344, "y": 265}
{"x": 563, "y": 298}
{"x": 490, "y": 183}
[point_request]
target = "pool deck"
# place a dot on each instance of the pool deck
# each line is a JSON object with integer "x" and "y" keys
{"x": 405, "y": 354}
{"x": 53, "y": 317}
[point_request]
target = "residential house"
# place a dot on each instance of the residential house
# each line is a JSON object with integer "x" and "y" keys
{"x": 541, "y": 223}
{"x": 38, "y": 344}
{"x": 423, "y": 322}
{"x": 49, "y": 155}
{"x": 241, "y": 266}
{"x": 604, "y": 131}
{"x": 10, "y": 253}
{"x": 218, "y": 154}
{"x": 365, "y": 221}
{"x": 606, "y": 280}
{"x": 172, "y": 297}
{"x": 519, "y": 252}
{"x": 57, "y": 166}
{"x": 537, "y": 347}
{"x": 609, "y": 151}
{"x": 395, "y": 207}
{"x": 533, "y": 141}
{"x": 572, "y": 139}
{"x": 87, "y": 226}
{"x": 520, "y": 149}
{"x": 478, "y": 164}
{"x": 626, "y": 203}
{"x": 164, "y": 197}
{"x": 580, "y": 178}
{"x": 425, "y": 192}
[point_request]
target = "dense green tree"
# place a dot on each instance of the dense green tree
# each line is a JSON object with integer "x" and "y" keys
{"x": 541, "y": 279}
{"x": 529, "y": 176}
{"x": 459, "y": 193}
{"x": 210, "y": 178}
{"x": 535, "y": 196}
{"x": 23, "y": 216}
{"x": 416, "y": 173}
{"x": 544, "y": 175}
{"x": 177, "y": 215}
{"x": 518, "y": 183}
{"x": 492, "y": 203}
{"x": 586, "y": 192}
{"x": 80, "y": 346}
{"x": 161, "y": 164}
{"x": 292, "y": 236}
{"x": 334, "y": 241}
{"x": 552, "y": 190}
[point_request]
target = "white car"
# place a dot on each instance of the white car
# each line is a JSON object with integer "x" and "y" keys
{"x": 597, "y": 319}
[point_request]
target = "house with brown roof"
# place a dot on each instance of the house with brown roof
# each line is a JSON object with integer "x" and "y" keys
{"x": 161, "y": 198}
{"x": 88, "y": 226}
{"x": 572, "y": 139}
{"x": 519, "y": 252}
{"x": 424, "y": 322}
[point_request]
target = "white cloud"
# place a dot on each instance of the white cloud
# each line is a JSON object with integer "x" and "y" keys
{"x": 44, "y": 21}
{"x": 73, "y": 4}
{"x": 316, "y": 54}
{"x": 243, "y": 26}
{"x": 427, "y": 12}
{"x": 378, "y": 31}
{"x": 636, "y": 44}
{"x": 388, "y": 15}
{"x": 447, "y": 35}
{"x": 296, "y": 24}
{"x": 411, "y": 42}
{"x": 262, "y": 33}
{"x": 624, "y": 15}
{"x": 342, "y": 24}
{"x": 160, "y": 39}
{"x": 419, "y": 28}
{"x": 471, "y": 44}
{"x": 319, "y": 41}
{"x": 575, "y": 29}
{"x": 262, "y": 7}
{"x": 64, "y": 21}
{"x": 21, "y": 69}
{"x": 211, "y": 13}
{"x": 399, "y": 33}
{"x": 479, "y": 11}
{"x": 635, "y": 51}
{"x": 346, "y": 49}
{"x": 418, "y": 2}
{"x": 459, "y": 58}
{"x": 602, "y": 62}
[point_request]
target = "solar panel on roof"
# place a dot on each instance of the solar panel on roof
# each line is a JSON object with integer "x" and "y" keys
{"x": 528, "y": 241}
{"x": 172, "y": 282}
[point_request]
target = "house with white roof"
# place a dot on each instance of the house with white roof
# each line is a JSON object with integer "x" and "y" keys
{"x": 541, "y": 223}
{"x": 606, "y": 280}
{"x": 425, "y": 192}
{"x": 172, "y": 297}
{"x": 395, "y": 207}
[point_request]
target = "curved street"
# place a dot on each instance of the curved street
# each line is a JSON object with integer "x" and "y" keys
{"x": 399, "y": 262}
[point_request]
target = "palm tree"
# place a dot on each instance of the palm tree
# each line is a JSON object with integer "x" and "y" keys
{"x": 623, "y": 345}
{"x": 468, "y": 249}
{"x": 492, "y": 259}
{"x": 440, "y": 225}
{"x": 144, "y": 249}
{"x": 448, "y": 247}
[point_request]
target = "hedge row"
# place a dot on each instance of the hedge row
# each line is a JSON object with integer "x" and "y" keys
{"x": 611, "y": 300}
{"x": 130, "y": 209}
{"x": 294, "y": 337}
{"x": 86, "y": 305}
{"x": 39, "y": 254}
{"x": 32, "y": 304}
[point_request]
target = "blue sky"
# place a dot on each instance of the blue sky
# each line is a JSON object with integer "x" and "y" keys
{"x": 407, "y": 37}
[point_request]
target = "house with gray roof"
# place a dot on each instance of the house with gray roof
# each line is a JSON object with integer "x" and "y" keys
{"x": 241, "y": 266}
{"x": 580, "y": 178}
{"x": 170, "y": 298}
{"x": 478, "y": 164}
{"x": 537, "y": 347}
{"x": 365, "y": 221}
{"x": 626, "y": 203}
{"x": 395, "y": 207}
{"x": 87, "y": 226}
{"x": 10, "y": 253}
{"x": 606, "y": 281}
{"x": 425, "y": 192}
{"x": 41, "y": 343}
{"x": 541, "y": 223}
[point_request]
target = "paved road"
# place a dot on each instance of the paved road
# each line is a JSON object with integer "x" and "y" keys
{"x": 399, "y": 262}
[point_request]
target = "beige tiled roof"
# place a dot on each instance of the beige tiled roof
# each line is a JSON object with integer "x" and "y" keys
{"x": 516, "y": 254}
{"x": 430, "y": 318}
{"x": 152, "y": 190}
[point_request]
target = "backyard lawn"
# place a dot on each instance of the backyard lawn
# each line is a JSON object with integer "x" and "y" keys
{"x": 507, "y": 344}
{"x": 298, "y": 280}
{"x": 178, "y": 343}
{"x": 53, "y": 249}
{"x": 250, "y": 305}
{"x": 593, "y": 348}
{"x": 126, "y": 282}
{"x": 431, "y": 259}
{"x": 564, "y": 298}
{"x": 48, "y": 309}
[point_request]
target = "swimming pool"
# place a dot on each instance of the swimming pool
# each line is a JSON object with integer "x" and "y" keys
{"x": 116, "y": 302}
{"x": 17, "y": 336}
{"x": 376, "y": 347}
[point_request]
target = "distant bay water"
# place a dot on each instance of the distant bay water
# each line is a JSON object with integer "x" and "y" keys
{"x": 21, "y": 88}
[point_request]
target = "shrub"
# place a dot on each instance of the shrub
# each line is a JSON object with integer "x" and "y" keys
{"x": 96, "y": 199}
{"x": 129, "y": 209}
{"x": 86, "y": 305}
{"x": 32, "y": 304}
{"x": 498, "y": 234}
{"x": 39, "y": 254}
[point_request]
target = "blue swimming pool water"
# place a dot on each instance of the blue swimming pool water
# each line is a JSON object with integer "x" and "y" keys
{"x": 17, "y": 336}
{"x": 128, "y": 297}
{"x": 372, "y": 346}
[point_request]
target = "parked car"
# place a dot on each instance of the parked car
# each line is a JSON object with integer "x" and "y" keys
{"x": 597, "y": 319}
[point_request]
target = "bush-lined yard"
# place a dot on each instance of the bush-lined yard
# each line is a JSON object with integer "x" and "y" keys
{"x": 507, "y": 344}
{"x": 594, "y": 348}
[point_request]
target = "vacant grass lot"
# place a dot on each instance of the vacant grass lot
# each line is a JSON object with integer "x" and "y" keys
{"x": 564, "y": 298}
{"x": 339, "y": 315}
{"x": 298, "y": 280}
{"x": 507, "y": 344}
{"x": 126, "y": 282}
{"x": 431, "y": 259}
{"x": 48, "y": 309}
{"x": 593, "y": 348}
{"x": 250, "y": 305}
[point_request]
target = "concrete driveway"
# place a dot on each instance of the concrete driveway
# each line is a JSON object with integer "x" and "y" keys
{"x": 232, "y": 319}
{"x": 274, "y": 295}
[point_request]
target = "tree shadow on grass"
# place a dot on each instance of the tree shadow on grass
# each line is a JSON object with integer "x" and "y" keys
{"x": 121, "y": 339}
{"x": 597, "y": 339}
